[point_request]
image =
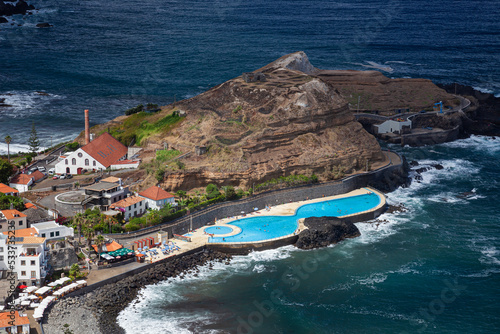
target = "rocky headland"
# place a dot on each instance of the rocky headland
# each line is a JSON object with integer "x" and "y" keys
{"x": 96, "y": 311}
{"x": 324, "y": 231}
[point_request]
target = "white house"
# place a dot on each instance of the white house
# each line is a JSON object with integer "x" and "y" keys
{"x": 132, "y": 206}
{"x": 8, "y": 216}
{"x": 106, "y": 192}
{"x": 31, "y": 257}
{"x": 392, "y": 126}
{"x": 5, "y": 189}
{"x": 52, "y": 230}
{"x": 14, "y": 323}
{"x": 101, "y": 153}
{"x": 156, "y": 198}
{"x": 22, "y": 182}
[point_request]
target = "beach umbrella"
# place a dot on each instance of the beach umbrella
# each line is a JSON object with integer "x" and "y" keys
{"x": 23, "y": 286}
{"x": 242, "y": 211}
{"x": 256, "y": 209}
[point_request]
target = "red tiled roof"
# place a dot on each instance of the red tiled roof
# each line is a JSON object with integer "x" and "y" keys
{"x": 21, "y": 179}
{"x": 24, "y": 232}
{"x": 29, "y": 205}
{"x": 37, "y": 175}
{"x": 6, "y": 189}
{"x": 155, "y": 193}
{"x": 105, "y": 149}
{"x": 18, "y": 320}
{"x": 126, "y": 202}
{"x": 10, "y": 214}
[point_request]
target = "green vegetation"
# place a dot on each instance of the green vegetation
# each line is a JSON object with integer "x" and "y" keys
{"x": 72, "y": 146}
{"x": 286, "y": 181}
{"x": 137, "y": 127}
{"x": 33, "y": 141}
{"x": 166, "y": 155}
{"x": 238, "y": 108}
{"x": 212, "y": 191}
{"x": 7, "y": 200}
{"x": 6, "y": 170}
{"x": 160, "y": 174}
{"x": 134, "y": 110}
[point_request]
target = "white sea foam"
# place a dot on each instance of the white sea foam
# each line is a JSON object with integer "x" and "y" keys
{"x": 482, "y": 143}
{"x": 21, "y": 104}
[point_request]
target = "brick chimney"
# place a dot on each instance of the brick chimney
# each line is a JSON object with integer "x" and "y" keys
{"x": 87, "y": 127}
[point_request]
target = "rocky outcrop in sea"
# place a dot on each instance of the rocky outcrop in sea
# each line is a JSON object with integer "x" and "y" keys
{"x": 324, "y": 231}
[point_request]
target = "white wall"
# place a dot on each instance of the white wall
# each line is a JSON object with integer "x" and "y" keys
{"x": 80, "y": 163}
{"x": 53, "y": 233}
{"x": 27, "y": 267}
{"x": 124, "y": 166}
{"x": 391, "y": 126}
{"x": 151, "y": 204}
{"x": 21, "y": 187}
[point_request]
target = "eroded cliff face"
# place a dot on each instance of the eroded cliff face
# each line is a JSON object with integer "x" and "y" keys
{"x": 290, "y": 123}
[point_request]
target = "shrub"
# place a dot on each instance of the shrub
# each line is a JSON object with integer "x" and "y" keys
{"x": 72, "y": 146}
{"x": 212, "y": 191}
{"x": 134, "y": 110}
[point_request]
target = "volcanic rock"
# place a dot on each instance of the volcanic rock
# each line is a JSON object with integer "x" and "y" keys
{"x": 44, "y": 25}
{"x": 324, "y": 231}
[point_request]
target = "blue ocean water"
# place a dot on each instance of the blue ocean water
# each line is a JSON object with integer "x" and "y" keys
{"x": 107, "y": 56}
{"x": 258, "y": 228}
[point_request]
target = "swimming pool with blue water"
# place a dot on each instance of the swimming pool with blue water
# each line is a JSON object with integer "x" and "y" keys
{"x": 269, "y": 227}
{"x": 218, "y": 230}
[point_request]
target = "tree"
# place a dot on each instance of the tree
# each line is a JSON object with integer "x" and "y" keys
{"x": 33, "y": 141}
{"x": 8, "y": 140}
{"x": 6, "y": 169}
{"x": 74, "y": 270}
{"x": 99, "y": 241}
{"x": 160, "y": 174}
{"x": 229, "y": 192}
{"x": 212, "y": 191}
{"x": 78, "y": 221}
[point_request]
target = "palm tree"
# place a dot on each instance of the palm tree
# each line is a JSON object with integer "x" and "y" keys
{"x": 99, "y": 241}
{"x": 78, "y": 221}
{"x": 8, "y": 139}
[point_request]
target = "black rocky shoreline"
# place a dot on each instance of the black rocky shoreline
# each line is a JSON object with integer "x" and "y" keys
{"x": 106, "y": 302}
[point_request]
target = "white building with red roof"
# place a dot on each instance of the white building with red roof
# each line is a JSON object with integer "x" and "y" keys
{"x": 156, "y": 198}
{"x": 101, "y": 153}
{"x": 9, "y": 218}
{"x": 22, "y": 182}
{"x": 5, "y": 189}
{"x": 15, "y": 323}
{"x": 132, "y": 206}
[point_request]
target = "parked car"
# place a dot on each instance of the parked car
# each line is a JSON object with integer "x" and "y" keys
{"x": 42, "y": 169}
{"x": 62, "y": 176}
{"x": 69, "y": 176}
{"x": 52, "y": 171}
{"x": 55, "y": 177}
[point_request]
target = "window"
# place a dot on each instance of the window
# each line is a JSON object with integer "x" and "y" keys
{"x": 1, "y": 249}
{"x": 51, "y": 234}
{"x": 80, "y": 154}
{"x": 66, "y": 161}
{"x": 73, "y": 161}
{"x": 93, "y": 163}
{"x": 1, "y": 257}
{"x": 86, "y": 162}
{"x": 33, "y": 274}
{"x": 43, "y": 235}
{"x": 57, "y": 233}
{"x": 33, "y": 263}
{"x": 23, "y": 262}
{"x": 135, "y": 205}
{"x": 20, "y": 223}
{"x": 23, "y": 273}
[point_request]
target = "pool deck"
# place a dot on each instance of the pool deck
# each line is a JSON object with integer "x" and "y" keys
{"x": 287, "y": 209}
